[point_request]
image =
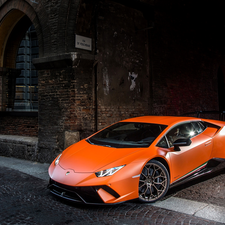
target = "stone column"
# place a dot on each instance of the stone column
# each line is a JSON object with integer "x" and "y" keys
{"x": 65, "y": 101}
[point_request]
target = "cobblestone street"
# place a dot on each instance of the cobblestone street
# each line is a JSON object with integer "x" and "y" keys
{"x": 26, "y": 200}
{"x": 208, "y": 188}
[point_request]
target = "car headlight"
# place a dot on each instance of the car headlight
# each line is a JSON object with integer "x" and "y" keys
{"x": 57, "y": 160}
{"x": 108, "y": 172}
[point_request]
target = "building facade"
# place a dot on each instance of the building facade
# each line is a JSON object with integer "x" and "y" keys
{"x": 69, "y": 68}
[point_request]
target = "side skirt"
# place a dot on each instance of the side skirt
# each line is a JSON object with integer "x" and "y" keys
{"x": 201, "y": 170}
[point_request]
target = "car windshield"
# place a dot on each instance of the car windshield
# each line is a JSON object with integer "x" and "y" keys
{"x": 127, "y": 135}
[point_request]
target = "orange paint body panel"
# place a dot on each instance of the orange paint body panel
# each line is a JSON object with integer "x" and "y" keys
{"x": 219, "y": 145}
{"x": 190, "y": 157}
{"x": 93, "y": 155}
{"x": 123, "y": 161}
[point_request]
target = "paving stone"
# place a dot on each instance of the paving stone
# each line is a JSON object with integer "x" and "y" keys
{"x": 25, "y": 199}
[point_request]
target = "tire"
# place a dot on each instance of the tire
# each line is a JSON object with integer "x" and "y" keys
{"x": 154, "y": 182}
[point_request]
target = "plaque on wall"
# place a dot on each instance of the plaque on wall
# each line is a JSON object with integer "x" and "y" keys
{"x": 82, "y": 42}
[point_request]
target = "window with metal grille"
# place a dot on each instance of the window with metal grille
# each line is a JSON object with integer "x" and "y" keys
{"x": 26, "y": 93}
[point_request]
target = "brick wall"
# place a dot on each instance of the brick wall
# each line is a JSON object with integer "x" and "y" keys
{"x": 18, "y": 125}
{"x": 122, "y": 74}
{"x": 83, "y": 119}
{"x": 65, "y": 104}
{"x": 54, "y": 91}
{"x": 134, "y": 68}
{"x": 0, "y": 93}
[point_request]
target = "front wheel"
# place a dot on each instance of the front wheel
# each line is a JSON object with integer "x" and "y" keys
{"x": 154, "y": 181}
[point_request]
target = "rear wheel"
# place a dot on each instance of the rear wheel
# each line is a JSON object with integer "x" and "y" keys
{"x": 154, "y": 181}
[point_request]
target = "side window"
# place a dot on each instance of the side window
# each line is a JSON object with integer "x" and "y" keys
{"x": 163, "y": 143}
{"x": 186, "y": 130}
{"x": 173, "y": 135}
{"x": 198, "y": 127}
{"x": 203, "y": 125}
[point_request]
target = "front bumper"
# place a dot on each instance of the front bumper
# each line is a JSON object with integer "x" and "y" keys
{"x": 87, "y": 195}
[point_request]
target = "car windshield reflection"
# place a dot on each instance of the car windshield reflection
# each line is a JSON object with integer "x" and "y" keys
{"x": 127, "y": 135}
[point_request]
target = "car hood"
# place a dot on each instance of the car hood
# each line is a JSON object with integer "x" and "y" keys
{"x": 85, "y": 157}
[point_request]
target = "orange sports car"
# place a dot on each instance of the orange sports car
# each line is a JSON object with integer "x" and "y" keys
{"x": 138, "y": 158}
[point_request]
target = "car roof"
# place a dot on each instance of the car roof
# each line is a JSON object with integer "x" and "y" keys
{"x": 164, "y": 120}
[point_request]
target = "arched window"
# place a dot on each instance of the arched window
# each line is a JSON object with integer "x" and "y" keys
{"x": 26, "y": 93}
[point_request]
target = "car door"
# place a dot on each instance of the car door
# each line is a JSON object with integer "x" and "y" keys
{"x": 188, "y": 159}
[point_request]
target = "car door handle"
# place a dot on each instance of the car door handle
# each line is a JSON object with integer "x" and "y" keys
{"x": 208, "y": 143}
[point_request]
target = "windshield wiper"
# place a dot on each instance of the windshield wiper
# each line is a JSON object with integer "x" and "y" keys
{"x": 102, "y": 144}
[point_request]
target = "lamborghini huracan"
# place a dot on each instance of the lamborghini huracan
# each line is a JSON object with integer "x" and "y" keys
{"x": 138, "y": 158}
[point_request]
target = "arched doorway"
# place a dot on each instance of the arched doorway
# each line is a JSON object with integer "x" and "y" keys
{"x": 18, "y": 76}
{"x": 20, "y": 47}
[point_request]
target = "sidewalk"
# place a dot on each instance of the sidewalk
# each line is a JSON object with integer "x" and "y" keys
{"x": 193, "y": 208}
{"x": 35, "y": 169}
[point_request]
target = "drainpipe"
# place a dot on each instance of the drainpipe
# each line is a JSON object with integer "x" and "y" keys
{"x": 96, "y": 65}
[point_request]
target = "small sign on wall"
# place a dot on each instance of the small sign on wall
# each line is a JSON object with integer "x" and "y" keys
{"x": 83, "y": 42}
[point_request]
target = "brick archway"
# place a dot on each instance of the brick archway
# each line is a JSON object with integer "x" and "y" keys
{"x": 13, "y": 41}
{"x": 15, "y": 18}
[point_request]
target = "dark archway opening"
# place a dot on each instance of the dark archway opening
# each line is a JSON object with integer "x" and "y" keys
{"x": 18, "y": 76}
{"x": 22, "y": 81}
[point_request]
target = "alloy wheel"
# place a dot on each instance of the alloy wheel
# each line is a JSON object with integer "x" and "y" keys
{"x": 154, "y": 181}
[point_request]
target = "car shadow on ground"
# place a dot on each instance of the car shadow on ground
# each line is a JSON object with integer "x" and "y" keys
{"x": 173, "y": 191}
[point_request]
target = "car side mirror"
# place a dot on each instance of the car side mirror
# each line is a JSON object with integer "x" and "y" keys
{"x": 181, "y": 142}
